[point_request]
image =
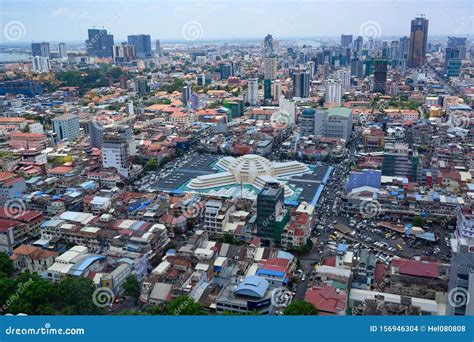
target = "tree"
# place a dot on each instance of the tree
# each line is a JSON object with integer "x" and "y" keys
{"x": 75, "y": 297}
{"x": 158, "y": 310}
{"x": 6, "y": 265}
{"x": 300, "y": 308}
{"x": 418, "y": 221}
{"x": 131, "y": 286}
{"x": 33, "y": 295}
{"x": 151, "y": 165}
{"x": 185, "y": 306}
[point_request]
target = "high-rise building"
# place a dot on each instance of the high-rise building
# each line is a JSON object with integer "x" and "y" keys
{"x": 96, "y": 132}
{"x": 403, "y": 48}
{"x": 66, "y": 127}
{"x": 252, "y": 91}
{"x": 142, "y": 43}
{"x": 344, "y": 75}
{"x": 267, "y": 89}
{"x": 380, "y": 75}
{"x": 41, "y": 64}
{"x": 394, "y": 50}
{"x": 272, "y": 216}
{"x": 124, "y": 53}
{"x": 418, "y": 42}
{"x": 62, "y": 51}
{"x": 461, "y": 277}
{"x": 226, "y": 71}
{"x": 358, "y": 43}
{"x": 116, "y": 149}
{"x": 458, "y": 42}
{"x": 333, "y": 123}
{"x": 356, "y": 67}
{"x": 268, "y": 44}
{"x": 158, "y": 48}
{"x": 270, "y": 68}
{"x": 276, "y": 90}
{"x": 40, "y": 49}
{"x": 333, "y": 92}
{"x": 99, "y": 43}
{"x": 141, "y": 85}
{"x": 346, "y": 40}
{"x": 452, "y": 61}
{"x": 307, "y": 122}
{"x": 301, "y": 83}
{"x": 187, "y": 93}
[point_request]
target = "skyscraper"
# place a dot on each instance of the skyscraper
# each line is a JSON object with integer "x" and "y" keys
{"x": 452, "y": 61}
{"x": 301, "y": 83}
{"x": 158, "y": 48}
{"x": 270, "y": 68}
{"x": 268, "y": 44}
{"x": 344, "y": 75}
{"x": 40, "y": 49}
{"x": 272, "y": 216}
{"x": 358, "y": 44}
{"x": 116, "y": 149}
{"x": 41, "y": 64}
{"x": 346, "y": 40}
{"x": 356, "y": 67}
{"x": 99, "y": 43}
{"x": 62, "y": 51}
{"x": 124, "y": 53}
{"x": 461, "y": 277}
{"x": 142, "y": 43}
{"x": 225, "y": 70}
{"x": 307, "y": 122}
{"x": 333, "y": 92}
{"x": 403, "y": 48}
{"x": 187, "y": 92}
{"x": 380, "y": 75}
{"x": 252, "y": 91}
{"x": 418, "y": 42}
{"x": 66, "y": 127}
{"x": 458, "y": 42}
{"x": 141, "y": 85}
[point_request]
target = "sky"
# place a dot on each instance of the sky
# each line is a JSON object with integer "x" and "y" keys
{"x": 68, "y": 20}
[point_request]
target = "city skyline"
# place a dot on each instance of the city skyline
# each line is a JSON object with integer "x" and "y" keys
{"x": 209, "y": 20}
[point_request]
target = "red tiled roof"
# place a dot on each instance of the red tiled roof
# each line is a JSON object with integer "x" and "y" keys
{"x": 327, "y": 299}
{"x": 417, "y": 268}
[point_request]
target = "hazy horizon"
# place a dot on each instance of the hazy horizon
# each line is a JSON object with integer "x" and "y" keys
{"x": 210, "y": 20}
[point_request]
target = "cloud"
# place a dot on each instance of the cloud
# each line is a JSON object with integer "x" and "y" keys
{"x": 62, "y": 12}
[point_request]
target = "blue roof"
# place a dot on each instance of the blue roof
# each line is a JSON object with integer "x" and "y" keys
{"x": 272, "y": 273}
{"x": 370, "y": 178}
{"x": 430, "y": 236}
{"x": 341, "y": 247}
{"x": 285, "y": 255}
{"x": 83, "y": 264}
{"x": 252, "y": 286}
